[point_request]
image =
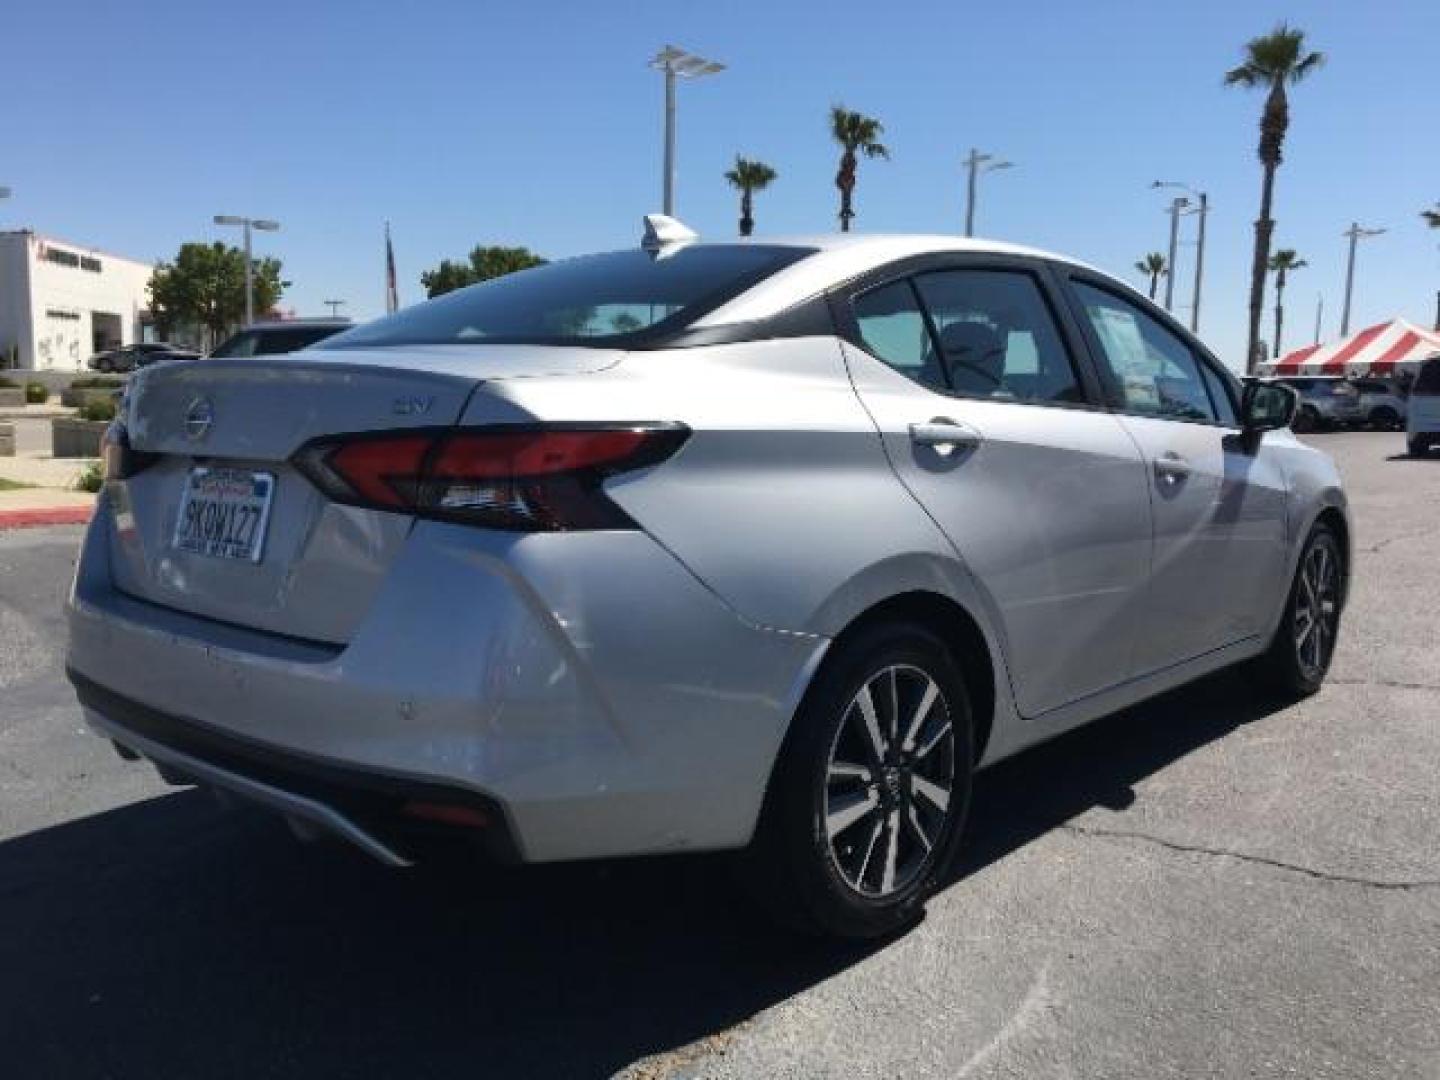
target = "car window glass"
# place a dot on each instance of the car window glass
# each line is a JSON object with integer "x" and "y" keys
{"x": 1220, "y": 396}
{"x": 1428, "y": 381}
{"x": 893, "y": 329}
{"x": 997, "y": 337}
{"x": 1153, "y": 370}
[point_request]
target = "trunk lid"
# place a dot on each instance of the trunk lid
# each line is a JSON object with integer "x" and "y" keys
{"x": 320, "y": 564}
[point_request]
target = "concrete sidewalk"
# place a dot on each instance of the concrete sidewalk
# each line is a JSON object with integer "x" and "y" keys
{"x": 50, "y": 496}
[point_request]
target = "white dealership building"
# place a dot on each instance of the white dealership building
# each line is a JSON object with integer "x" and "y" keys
{"x": 62, "y": 302}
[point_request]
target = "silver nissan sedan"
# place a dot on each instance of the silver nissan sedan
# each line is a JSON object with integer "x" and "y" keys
{"x": 761, "y": 546}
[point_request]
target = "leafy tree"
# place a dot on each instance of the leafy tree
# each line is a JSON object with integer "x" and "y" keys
{"x": 1283, "y": 262}
{"x": 205, "y": 285}
{"x": 1271, "y": 62}
{"x": 748, "y": 177}
{"x": 1154, "y": 267}
{"x": 857, "y": 134}
{"x": 484, "y": 263}
{"x": 1432, "y": 217}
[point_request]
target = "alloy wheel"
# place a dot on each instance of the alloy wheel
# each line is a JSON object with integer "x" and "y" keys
{"x": 889, "y": 779}
{"x": 1317, "y": 609}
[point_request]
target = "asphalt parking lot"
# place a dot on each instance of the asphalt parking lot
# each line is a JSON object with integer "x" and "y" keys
{"x": 1207, "y": 885}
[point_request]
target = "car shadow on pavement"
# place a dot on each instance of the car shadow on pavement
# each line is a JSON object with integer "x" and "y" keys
{"x": 171, "y": 938}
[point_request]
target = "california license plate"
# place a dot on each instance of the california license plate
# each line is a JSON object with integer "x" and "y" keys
{"x": 224, "y": 513}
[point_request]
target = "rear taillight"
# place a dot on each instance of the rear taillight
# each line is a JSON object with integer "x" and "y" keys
{"x": 120, "y": 459}
{"x": 545, "y": 477}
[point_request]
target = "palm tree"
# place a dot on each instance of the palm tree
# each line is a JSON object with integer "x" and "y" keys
{"x": 1154, "y": 267}
{"x": 1271, "y": 62}
{"x": 748, "y": 177}
{"x": 858, "y": 134}
{"x": 1283, "y": 262}
{"x": 1432, "y": 217}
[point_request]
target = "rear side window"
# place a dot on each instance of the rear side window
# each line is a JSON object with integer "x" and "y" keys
{"x": 272, "y": 341}
{"x": 997, "y": 338}
{"x": 1151, "y": 369}
{"x": 893, "y": 328}
{"x": 585, "y": 301}
{"x": 1428, "y": 382}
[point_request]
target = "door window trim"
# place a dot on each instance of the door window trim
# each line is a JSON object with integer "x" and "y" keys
{"x": 1111, "y": 393}
{"x": 842, "y": 300}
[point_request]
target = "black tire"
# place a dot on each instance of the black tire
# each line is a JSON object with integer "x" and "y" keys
{"x": 1307, "y": 419}
{"x": 1384, "y": 418}
{"x": 1292, "y": 666}
{"x": 815, "y": 880}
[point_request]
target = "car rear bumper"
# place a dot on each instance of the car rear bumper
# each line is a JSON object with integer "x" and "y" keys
{"x": 585, "y": 689}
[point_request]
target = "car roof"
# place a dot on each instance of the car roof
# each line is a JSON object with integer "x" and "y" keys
{"x": 297, "y": 324}
{"x": 835, "y": 258}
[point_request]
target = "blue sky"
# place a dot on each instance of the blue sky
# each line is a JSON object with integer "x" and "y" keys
{"x": 128, "y": 126}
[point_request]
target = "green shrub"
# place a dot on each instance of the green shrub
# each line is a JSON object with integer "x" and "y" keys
{"x": 37, "y": 393}
{"x": 97, "y": 382}
{"x": 98, "y": 409}
{"x": 92, "y": 479}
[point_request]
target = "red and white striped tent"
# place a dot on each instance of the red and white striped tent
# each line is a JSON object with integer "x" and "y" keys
{"x": 1396, "y": 347}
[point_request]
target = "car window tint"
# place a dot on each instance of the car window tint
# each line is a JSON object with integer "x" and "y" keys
{"x": 1152, "y": 370}
{"x": 997, "y": 337}
{"x": 1221, "y": 396}
{"x": 893, "y": 329}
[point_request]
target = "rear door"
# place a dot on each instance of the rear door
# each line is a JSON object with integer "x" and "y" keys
{"x": 970, "y": 372}
{"x": 1218, "y": 505}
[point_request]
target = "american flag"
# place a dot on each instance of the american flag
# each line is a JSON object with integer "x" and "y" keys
{"x": 392, "y": 296}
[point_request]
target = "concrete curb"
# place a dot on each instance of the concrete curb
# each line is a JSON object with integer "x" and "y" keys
{"x": 50, "y": 515}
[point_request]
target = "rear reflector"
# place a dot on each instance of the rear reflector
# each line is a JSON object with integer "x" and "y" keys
{"x": 547, "y": 477}
{"x": 447, "y": 814}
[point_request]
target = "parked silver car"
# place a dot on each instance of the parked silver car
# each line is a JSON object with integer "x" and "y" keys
{"x": 1326, "y": 401}
{"x": 1383, "y": 405}
{"x": 759, "y": 545}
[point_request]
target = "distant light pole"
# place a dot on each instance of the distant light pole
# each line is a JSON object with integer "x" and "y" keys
{"x": 334, "y": 306}
{"x": 1177, "y": 207}
{"x": 977, "y": 163}
{"x": 1355, "y": 233}
{"x": 676, "y": 63}
{"x": 1204, "y": 211}
{"x": 1319, "y": 312}
{"x": 262, "y": 225}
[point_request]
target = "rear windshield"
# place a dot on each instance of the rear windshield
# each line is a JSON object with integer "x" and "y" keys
{"x": 271, "y": 341}
{"x": 591, "y": 300}
{"x": 1428, "y": 381}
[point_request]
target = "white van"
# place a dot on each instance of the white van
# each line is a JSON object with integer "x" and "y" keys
{"x": 1422, "y": 419}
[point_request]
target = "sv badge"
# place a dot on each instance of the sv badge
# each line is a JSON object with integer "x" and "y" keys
{"x": 411, "y": 406}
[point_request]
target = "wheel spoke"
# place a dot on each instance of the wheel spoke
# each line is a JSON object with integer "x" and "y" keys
{"x": 893, "y": 729}
{"x": 921, "y": 713}
{"x": 870, "y": 844}
{"x": 939, "y": 796}
{"x": 892, "y": 851}
{"x": 941, "y": 730}
{"x": 844, "y": 812}
{"x": 866, "y": 701}
{"x": 848, "y": 770}
{"x": 917, "y": 827}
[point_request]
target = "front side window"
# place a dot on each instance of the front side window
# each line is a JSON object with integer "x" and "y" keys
{"x": 997, "y": 338}
{"x": 1221, "y": 396}
{"x": 1151, "y": 370}
{"x": 582, "y": 301}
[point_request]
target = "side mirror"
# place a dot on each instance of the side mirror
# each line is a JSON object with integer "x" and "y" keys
{"x": 1267, "y": 406}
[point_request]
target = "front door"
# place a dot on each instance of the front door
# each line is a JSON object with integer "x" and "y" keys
{"x": 1218, "y": 505}
{"x": 987, "y": 420}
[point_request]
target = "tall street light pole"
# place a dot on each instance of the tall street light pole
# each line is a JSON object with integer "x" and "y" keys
{"x": 262, "y": 225}
{"x": 977, "y": 163}
{"x": 1177, "y": 207}
{"x": 1319, "y": 313}
{"x": 334, "y": 306}
{"x": 1203, "y": 209}
{"x": 1356, "y": 234}
{"x": 676, "y": 63}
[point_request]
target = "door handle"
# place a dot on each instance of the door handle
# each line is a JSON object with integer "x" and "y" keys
{"x": 946, "y": 436}
{"x": 1171, "y": 468}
